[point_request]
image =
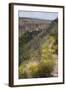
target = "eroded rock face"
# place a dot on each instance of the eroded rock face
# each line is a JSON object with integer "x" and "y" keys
{"x": 29, "y": 24}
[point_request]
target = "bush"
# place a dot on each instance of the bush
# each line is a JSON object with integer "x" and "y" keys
{"x": 46, "y": 67}
{"x": 34, "y": 68}
{"x": 22, "y": 72}
{"x": 47, "y": 62}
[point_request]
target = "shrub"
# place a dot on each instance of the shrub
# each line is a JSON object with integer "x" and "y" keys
{"x": 22, "y": 72}
{"x": 47, "y": 62}
{"x": 46, "y": 67}
{"x": 33, "y": 68}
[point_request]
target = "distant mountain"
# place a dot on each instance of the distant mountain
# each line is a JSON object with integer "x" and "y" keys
{"x": 33, "y": 20}
{"x": 32, "y": 24}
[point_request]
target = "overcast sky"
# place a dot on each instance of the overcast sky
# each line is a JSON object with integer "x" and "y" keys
{"x": 38, "y": 15}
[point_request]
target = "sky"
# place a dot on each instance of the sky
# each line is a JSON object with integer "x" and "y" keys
{"x": 38, "y": 15}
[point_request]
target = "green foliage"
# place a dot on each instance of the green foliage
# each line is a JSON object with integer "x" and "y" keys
{"x": 33, "y": 69}
{"x": 41, "y": 62}
{"x": 23, "y": 55}
{"x": 43, "y": 67}
{"x": 47, "y": 57}
{"x": 46, "y": 67}
{"x": 22, "y": 72}
{"x": 48, "y": 48}
{"x": 28, "y": 70}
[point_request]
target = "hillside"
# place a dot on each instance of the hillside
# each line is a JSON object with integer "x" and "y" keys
{"x": 38, "y": 41}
